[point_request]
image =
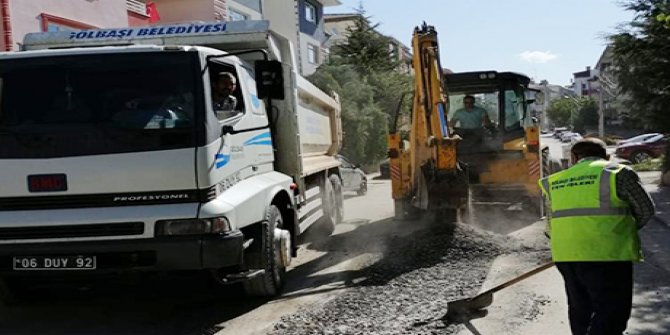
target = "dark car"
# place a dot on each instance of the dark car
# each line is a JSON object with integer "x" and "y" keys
{"x": 637, "y": 152}
{"x": 353, "y": 178}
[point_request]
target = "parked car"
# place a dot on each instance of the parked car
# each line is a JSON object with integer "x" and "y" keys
{"x": 353, "y": 178}
{"x": 560, "y": 130}
{"x": 637, "y": 152}
{"x": 639, "y": 138}
{"x": 575, "y": 137}
{"x": 567, "y": 136}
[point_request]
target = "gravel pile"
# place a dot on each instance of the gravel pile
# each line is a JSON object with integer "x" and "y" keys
{"x": 410, "y": 286}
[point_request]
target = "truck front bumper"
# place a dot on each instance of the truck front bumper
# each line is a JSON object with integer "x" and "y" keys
{"x": 155, "y": 254}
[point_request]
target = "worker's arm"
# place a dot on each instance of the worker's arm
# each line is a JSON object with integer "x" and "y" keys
{"x": 629, "y": 188}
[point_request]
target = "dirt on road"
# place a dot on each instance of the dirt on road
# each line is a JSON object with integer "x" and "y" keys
{"x": 407, "y": 290}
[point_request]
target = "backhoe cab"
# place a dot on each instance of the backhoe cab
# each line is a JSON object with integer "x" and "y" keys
{"x": 504, "y": 160}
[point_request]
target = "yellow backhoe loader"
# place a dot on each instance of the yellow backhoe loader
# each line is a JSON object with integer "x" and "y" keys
{"x": 445, "y": 170}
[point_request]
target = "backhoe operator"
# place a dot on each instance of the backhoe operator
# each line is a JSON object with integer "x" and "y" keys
{"x": 470, "y": 117}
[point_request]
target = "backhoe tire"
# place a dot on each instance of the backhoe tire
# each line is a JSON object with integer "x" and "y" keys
{"x": 264, "y": 254}
{"x": 445, "y": 216}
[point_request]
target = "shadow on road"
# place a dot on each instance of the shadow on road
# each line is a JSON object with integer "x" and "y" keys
{"x": 170, "y": 305}
{"x": 652, "y": 277}
{"x": 184, "y": 305}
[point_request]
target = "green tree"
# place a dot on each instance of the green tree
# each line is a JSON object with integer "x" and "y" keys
{"x": 641, "y": 52}
{"x": 586, "y": 115}
{"x": 365, "y": 76}
{"x": 365, "y": 48}
{"x": 561, "y": 112}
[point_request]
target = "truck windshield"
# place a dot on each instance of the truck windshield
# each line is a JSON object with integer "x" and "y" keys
{"x": 96, "y": 104}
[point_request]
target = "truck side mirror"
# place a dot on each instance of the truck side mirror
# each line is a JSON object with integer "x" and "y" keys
{"x": 269, "y": 79}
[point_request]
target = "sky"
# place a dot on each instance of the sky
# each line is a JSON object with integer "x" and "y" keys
{"x": 544, "y": 39}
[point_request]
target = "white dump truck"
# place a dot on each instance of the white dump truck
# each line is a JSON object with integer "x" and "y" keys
{"x": 120, "y": 152}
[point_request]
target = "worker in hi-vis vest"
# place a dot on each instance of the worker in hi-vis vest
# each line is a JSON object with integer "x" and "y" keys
{"x": 595, "y": 209}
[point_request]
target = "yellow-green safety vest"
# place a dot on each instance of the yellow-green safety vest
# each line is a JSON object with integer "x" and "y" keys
{"x": 589, "y": 222}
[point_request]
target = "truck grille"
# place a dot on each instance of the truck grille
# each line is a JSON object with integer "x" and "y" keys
{"x": 104, "y": 200}
{"x": 86, "y": 230}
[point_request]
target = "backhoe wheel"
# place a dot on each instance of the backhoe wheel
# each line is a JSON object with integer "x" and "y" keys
{"x": 268, "y": 252}
{"x": 445, "y": 216}
{"x": 465, "y": 215}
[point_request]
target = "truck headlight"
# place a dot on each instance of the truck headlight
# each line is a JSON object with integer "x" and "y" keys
{"x": 192, "y": 227}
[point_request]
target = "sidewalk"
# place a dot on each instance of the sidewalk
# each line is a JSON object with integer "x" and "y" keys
{"x": 538, "y": 305}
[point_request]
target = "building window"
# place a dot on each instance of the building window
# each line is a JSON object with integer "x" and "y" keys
{"x": 310, "y": 12}
{"x": 312, "y": 53}
{"x": 137, "y": 6}
{"x": 234, "y": 15}
{"x": 52, "y": 23}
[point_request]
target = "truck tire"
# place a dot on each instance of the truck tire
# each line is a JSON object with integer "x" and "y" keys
{"x": 265, "y": 254}
{"x": 339, "y": 198}
{"x": 326, "y": 224}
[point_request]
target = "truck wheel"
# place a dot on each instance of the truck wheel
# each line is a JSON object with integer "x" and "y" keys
{"x": 269, "y": 253}
{"x": 326, "y": 225}
{"x": 339, "y": 198}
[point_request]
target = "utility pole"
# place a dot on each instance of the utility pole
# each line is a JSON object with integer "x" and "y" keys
{"x": 601, "y": 111}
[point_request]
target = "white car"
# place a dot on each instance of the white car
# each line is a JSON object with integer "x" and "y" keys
{"x": 353, "y": 178}
{"x": 575, "y": 137}
{"x": 638, "y": 139}
{"x": 567, "y": 136}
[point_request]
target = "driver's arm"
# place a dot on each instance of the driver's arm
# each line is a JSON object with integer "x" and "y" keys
{"x": 486, "y": 120}
{"x": 454, "y": 119}
{"x": 452, "y": 122}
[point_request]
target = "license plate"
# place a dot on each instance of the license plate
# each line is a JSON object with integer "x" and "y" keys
{"x": 25, "y": 263}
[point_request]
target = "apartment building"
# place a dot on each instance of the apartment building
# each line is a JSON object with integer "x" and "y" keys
{"x": 302, "y": 21}
{"x": 608, "y": 86}
{"x": 583, "y": 81}
{"x": 22, "y": 17}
